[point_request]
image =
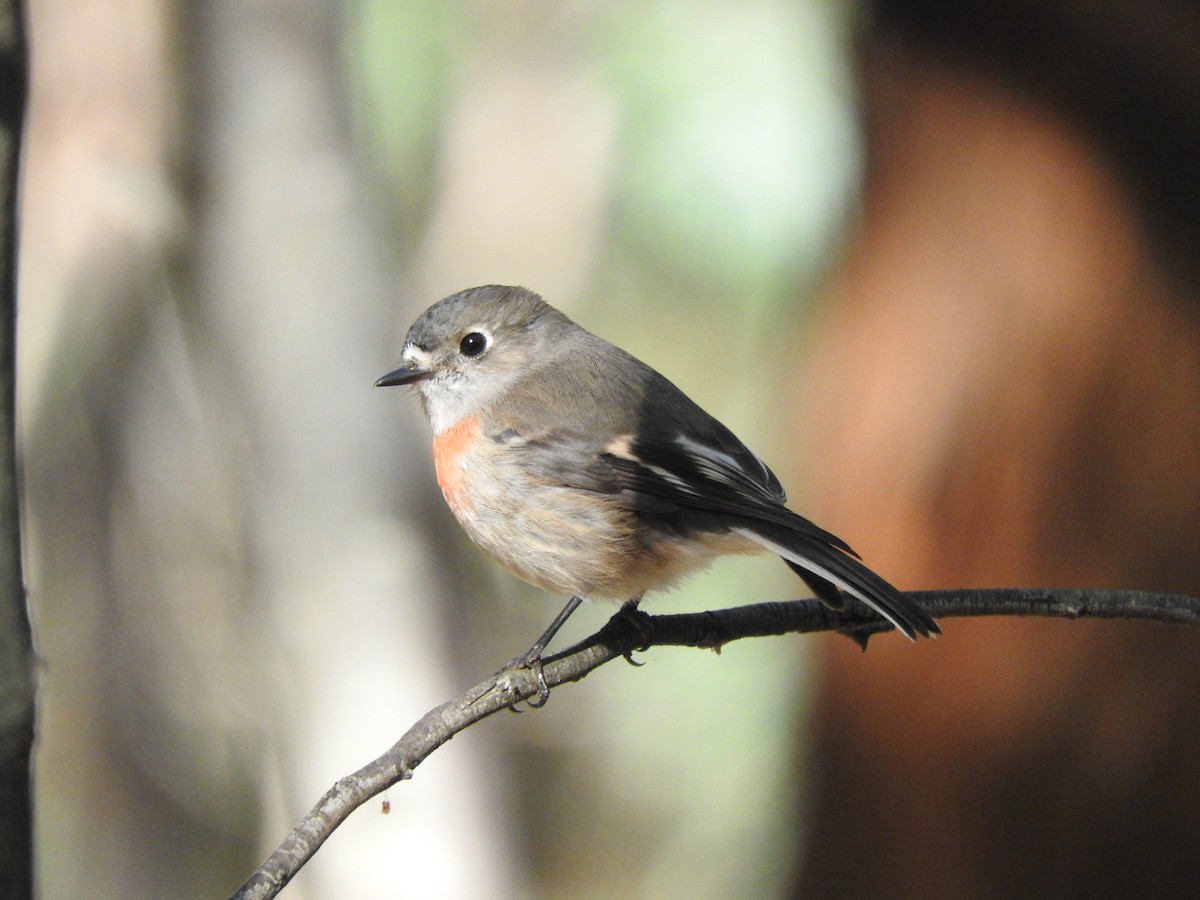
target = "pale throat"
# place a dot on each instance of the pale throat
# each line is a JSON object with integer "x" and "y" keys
{"x": 441, "y": 395}
{"x": 447, "y": 402}
{"x": 449, "y": 397}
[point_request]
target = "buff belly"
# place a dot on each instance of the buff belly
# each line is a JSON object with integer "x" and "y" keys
{"x": 565, "y": 540}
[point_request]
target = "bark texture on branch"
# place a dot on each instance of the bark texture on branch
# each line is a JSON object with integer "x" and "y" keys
{"x": 630, "y": 632}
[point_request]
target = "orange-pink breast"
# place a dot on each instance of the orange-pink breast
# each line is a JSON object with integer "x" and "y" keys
{"x": 451, "y": 454}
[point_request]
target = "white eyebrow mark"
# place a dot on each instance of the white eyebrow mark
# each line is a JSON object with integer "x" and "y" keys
{"x": 414, "y": 355}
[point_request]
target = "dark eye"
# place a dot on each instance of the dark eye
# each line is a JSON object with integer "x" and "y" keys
{"x": 473, "y": 344}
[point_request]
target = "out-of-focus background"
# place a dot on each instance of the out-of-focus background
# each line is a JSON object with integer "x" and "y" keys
{"x": 937, "y": 266}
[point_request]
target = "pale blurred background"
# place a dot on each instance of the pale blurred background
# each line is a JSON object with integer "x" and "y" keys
{"x": 933, "y": 294}
{"x": 244, "y": 580}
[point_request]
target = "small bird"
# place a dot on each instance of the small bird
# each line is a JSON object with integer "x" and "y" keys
{"x": 585, "y": 472}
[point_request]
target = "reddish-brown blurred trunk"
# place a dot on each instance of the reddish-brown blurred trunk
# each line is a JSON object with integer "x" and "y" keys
{"x": 1008, "y": 392}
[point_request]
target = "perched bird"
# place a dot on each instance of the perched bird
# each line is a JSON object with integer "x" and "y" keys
{"x": 587, "y": 473}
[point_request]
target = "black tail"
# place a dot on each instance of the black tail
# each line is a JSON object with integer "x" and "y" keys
{"x": 828, "y": 571}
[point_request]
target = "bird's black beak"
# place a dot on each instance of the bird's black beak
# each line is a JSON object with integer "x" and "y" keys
{"x": 404, "y": 375}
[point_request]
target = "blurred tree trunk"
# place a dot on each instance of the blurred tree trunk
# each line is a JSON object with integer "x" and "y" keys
{"x": 292, "y": 276}
{"x": 1023, "y": 290}
{"x": 16, "y": 646}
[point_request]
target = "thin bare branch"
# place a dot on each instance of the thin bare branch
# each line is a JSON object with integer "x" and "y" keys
{"x": 630, "y": 632}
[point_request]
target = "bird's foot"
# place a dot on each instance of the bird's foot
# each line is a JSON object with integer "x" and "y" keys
{"x": 507, "y": 680}
{"x": 640, "y": 622}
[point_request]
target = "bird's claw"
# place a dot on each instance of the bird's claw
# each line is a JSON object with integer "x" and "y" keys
{"x": 539, "y": 678}
{"x": 534, "y": 665}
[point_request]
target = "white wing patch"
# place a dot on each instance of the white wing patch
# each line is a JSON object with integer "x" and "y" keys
{"x": 622, "y": 447}
{"x": 671, "y": 477}
{"x": 717, "y": 465}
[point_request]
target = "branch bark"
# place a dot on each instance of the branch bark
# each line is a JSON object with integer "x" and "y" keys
{"x": 630, "y": 632}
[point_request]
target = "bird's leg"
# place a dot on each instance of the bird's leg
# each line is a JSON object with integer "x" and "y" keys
{"x": 535, "y": 652}
{"x": 531, "y": 659}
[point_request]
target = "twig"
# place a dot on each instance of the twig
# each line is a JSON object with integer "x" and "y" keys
{"x": 629, "y": 632}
